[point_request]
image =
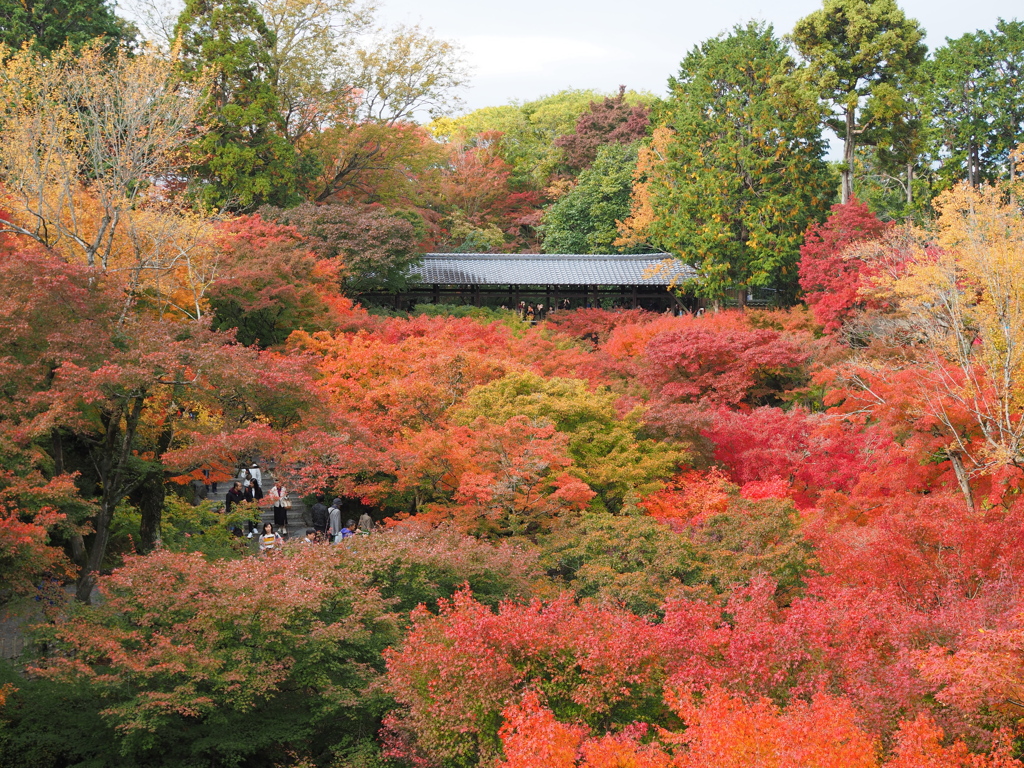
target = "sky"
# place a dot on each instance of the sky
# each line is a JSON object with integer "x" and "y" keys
{"x": 524, "y": 49}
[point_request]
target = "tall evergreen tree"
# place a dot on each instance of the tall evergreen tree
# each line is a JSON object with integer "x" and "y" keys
{"x": 243, "y": 159}
{"x": 973, "y": 91}
{"x": 50, "y": 24}
{"x": 860, "y": 55}
{"x": 742, "y": 173}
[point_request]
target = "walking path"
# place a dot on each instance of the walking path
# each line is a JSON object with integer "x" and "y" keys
{"x": 298, "y": 515}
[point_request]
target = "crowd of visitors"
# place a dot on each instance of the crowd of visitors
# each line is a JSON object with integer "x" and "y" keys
{"x": 326, "y": 524}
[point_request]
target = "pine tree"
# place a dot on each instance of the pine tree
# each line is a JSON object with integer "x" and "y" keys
{"x": 243, "y": 159}
{"x": 742, "y": 173}
{"x": 50, "y": 24}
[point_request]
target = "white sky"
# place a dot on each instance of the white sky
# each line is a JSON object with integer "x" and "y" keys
{"x": 523, "y": 49}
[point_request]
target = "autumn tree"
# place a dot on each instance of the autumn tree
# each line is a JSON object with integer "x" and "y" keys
{"x": 742, "y": 175}
{"x": 859, "y": 57}
{"x": 963, "y": 298}
{"x": 528, "y": 131}
{"x": 370, "y": 248}
{"x": 312, "y": 62}
{"x": 270, "y": 283}
{"x": 612, "y": 121}
{"x": 85, "y": 139}
{"x": 609, "y": 451}
{"x": 590, "y": 661}
{"x": 182, "y": 642}
{"x": 396, "y": 75}
{"x": 829, "y": 277}
{"x": 476, "y": 192}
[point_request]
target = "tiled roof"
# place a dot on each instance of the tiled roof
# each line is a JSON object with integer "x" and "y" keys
{"x": 550, "y": 269}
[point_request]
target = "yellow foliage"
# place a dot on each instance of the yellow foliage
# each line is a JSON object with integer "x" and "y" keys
{"x": 90, "y": 146}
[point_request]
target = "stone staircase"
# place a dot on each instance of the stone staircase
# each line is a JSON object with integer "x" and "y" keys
{"x": 298, "y": 516}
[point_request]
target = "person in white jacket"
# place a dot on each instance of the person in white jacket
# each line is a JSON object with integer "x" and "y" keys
{"x": 256, "y": 474}
{"x": 278, "y": 497}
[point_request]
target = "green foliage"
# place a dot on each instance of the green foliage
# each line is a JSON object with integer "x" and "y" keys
{"x": 631, "y": 559}
{"x": 52, "y": 24}
{"x": 528, "y": 130}
{"x": 374, "y": 248}
{"x": 214, "y": 663}
{"x": 46, "y": 724}
{"x": 607, "y": 450}
{"x": 584, "y": 219}
{"x": 242, "y": 160}
{"x": 751, "y": 539}
{"x": 973, "y": 93}
{"x": 743, "y": 174}
{"x": 861, "y": 57}
{"x": 507, "y": 317}
{"x": 422, "y": 566}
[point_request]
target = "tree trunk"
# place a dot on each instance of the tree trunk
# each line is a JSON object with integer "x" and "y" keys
{"x": 848, "y": 147}
{"x": 152, "y": 493}
{"x": 962, "y": 478}
{"x": 910, "y": 183}
{"x": 149, "y": 497}
{"x": 87, "y": 578}
{"x": 112, "y": 472}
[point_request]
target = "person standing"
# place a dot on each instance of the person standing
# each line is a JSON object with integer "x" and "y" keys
{"x": 256, "y": 474}
{"x": 278, "y": 497}
{"x": 365, "y": 523}
{"x": 269, "y": 540}
{"x": 334, "y": 519}
{"x": 321, "y": 518}
{"x": 234, "y": 495}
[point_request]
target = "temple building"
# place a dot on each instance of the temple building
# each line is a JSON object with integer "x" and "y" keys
{"x": 505, "y": 279}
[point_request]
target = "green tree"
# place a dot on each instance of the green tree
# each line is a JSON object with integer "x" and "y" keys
{"x": 528, "y": 129}
{"x": 609, "y": 452}
{"x": 740, "y": 174}
{"x": 973, "y": 92}
{"x": 243, "y": 159}
{"x": 584, "y": 219}
{"x": 860, "y": 56}
{"x": 52, "y": 24}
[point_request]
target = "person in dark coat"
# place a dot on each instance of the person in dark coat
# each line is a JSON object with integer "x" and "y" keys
{"x": 321, "y": 518}
{"x": 235, "y": 495}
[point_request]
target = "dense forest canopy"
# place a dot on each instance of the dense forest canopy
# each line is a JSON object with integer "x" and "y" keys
{"x": 251, "y": 519}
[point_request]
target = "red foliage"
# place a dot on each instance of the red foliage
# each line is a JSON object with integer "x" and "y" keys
{"x": 727, "y": 732}
{"x": 457, "y": 671}
{"x": 689, "y": 499}
{"x": 830, "y": 281}
{"x": 801, "y": 451}
{"x": 723, "y": 367}
{"x": 476, "y": 182}
{"x": 271, "y": 283}
{"x": 611, "y": 121}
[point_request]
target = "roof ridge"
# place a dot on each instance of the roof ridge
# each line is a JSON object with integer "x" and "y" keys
{"x": 562, "y": 256}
